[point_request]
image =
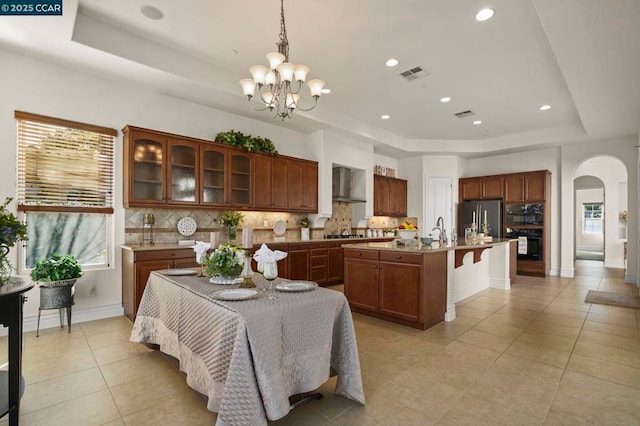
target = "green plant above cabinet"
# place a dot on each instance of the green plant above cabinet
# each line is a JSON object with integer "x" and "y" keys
{"x": 248, "y": 142}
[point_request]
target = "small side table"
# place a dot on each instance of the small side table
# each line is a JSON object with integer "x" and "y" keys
{"x": 57, "y": 295}
{"x": 11, "y": 300}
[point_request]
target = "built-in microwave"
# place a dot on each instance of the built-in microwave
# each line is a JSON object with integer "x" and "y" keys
{"x": 524, "y": 214}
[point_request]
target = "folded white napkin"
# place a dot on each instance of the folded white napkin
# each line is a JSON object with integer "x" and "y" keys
{"x": 201, "y": 248}
{"x": 265, "y": 254}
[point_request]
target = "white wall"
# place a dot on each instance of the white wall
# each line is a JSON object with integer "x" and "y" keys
{"x": 613, "y": 174}
{"x": 573, "y": 156}
{"x": 43, "y": 88}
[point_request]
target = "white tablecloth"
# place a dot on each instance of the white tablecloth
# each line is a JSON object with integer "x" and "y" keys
{"x": 248, "y": 357}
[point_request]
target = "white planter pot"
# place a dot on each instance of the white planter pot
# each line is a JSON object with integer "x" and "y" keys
{"x": 304, "y": 234}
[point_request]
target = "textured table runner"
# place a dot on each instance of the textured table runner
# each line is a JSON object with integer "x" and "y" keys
{"x": 249, "y": 356}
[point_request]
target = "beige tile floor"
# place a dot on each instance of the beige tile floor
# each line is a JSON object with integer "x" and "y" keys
{"x": 535, "y": 355}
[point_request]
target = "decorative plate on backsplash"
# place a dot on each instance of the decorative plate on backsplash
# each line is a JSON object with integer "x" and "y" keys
{"x": 279, "y": 228}
{"x": 187, "y": 226}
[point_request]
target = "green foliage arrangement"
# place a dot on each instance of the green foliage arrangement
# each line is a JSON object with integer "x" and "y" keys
{"x": 248, "y": 142}
{"x": 231, "y": 218}
{"x": 11, "y": 229}
{"x": 56, "y": 268}
{"x": 304, "y": 222}
{"x": 227, "y": 261}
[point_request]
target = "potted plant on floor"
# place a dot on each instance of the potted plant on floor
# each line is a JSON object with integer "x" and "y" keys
{"x": 56, "y": 276}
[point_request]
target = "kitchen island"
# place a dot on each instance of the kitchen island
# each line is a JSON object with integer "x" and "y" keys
{"x": 418, "y": 286}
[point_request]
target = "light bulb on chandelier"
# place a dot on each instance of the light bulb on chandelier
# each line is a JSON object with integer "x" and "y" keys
{"x": 279, "y": 84}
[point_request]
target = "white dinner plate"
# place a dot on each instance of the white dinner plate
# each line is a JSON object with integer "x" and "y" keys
{"x": 235, "y": 294}
{"x": 279, "y": 228}
{"x": 296, "y": 286}
{"x": 179, "y": 272}
{"x": 187, "y": 226}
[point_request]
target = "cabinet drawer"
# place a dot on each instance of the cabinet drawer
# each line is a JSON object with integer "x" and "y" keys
{"x": 319, "y": 252}
{"x": 319, "y": 261}
{"x": 401, "y": 257}
{"x": 319, "y": 276}
{"x": 361, "y": 254}
{"x": 164, "y": 254}
{"x": 299, "y": 246}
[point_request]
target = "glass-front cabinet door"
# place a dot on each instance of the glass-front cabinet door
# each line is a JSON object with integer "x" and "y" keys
{"x": 147, "y": 168}
{"x": 214, "y": 166}
{"x": 183, "y": 175}
{"x": 239, "y": 178}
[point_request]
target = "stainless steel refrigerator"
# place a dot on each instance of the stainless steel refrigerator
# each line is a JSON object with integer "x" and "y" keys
{"x": 493, "y": 209}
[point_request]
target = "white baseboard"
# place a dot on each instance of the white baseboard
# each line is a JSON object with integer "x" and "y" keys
{"x": 614, "y": 264}
{"x": 500, "y": 283}
{"x": 51, "y": 318}
{"x": 630, "y": 279}
{"x": 450, "y": 313}
{"x": 567, "y": 273}
{"x": 554, "y": 272}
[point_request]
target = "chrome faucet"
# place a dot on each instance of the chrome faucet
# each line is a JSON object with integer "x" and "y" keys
{"x": 442, "y": 237}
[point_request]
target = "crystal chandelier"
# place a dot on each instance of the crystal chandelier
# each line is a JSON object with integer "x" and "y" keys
{"x": 280, "y": 83}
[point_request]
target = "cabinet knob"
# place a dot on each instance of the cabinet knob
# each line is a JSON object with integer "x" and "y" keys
{"x": 398, "y": 257}
{"x": 360, "y": 254}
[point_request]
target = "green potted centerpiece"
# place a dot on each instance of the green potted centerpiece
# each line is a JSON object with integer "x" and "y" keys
{"x": 304, "y": 228}
{"x": 231, "y": 220}
{"x": 224, "y": 264}
{"x": 56, "y": 276}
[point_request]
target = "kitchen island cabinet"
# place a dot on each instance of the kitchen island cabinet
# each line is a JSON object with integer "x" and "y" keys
{"x": 418, "y": 286}
{"x": 408, "y": 288}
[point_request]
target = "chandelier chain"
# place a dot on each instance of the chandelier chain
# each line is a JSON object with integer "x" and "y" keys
{"x": 283, "y": 42}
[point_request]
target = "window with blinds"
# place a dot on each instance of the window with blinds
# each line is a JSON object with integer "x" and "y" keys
{"x": 65, "y": 189}
{"x": 64, "y": 166}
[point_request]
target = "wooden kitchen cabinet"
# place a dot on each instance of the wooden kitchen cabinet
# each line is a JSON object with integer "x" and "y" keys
{"x": 409, "y": 288}
{"x": 481, "y": 188}
{"x": 145, "y": 168}
{"x": 137, "y": 265}
{"x": 299, "y": 261}
{"x": 527, "y": 187}
{"x": 389, "y": 196}
{"x": 361, "y": 274}
{"x": 335, "y": 261}
{"x": 302, "y": 185}
{"x": 270, "y": 184}
{"x": 318, "y": 261}
{"x": 166, "y": 170}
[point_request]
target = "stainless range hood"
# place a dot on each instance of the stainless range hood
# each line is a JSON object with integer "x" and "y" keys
{"x": 341, "y": 187}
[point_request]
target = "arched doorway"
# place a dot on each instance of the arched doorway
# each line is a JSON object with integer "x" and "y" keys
{"x": 600, "y": 199}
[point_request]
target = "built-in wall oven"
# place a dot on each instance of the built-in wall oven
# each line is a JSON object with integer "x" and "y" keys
{"x": 530, "y": 243}
{"x": 524, "y": 214}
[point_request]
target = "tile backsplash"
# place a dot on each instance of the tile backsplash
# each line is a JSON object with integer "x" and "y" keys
{"x": 166, "y": 220}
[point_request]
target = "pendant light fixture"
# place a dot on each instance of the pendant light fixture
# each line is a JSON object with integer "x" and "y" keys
{"x": 279, "y": 84}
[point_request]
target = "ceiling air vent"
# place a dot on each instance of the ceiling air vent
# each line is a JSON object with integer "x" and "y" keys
{"x": 414, "y": 73}
{"x": 463, "y": 114}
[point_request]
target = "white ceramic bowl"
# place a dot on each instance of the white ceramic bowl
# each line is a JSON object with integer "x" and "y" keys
{"x": 407, "y": 234}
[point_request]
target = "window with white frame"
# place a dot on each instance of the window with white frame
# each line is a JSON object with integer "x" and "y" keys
{"x": 65, "y": 189}
{"x": 592, "y": 218}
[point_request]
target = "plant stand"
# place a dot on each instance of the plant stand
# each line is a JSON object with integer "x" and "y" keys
{"x": 57, "y": 295}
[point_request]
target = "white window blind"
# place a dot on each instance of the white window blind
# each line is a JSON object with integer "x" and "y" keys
{"x": 64, "y": 166}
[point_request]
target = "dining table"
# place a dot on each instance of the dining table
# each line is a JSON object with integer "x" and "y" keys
{"x": 249, "y": 356}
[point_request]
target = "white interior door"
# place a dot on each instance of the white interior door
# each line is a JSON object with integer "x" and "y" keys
{"x": 438, "y": 203}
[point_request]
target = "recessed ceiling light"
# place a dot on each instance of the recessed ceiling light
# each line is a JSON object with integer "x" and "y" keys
{"x": 477, "y": 122}
{"x": 445, "y": 99}
{"x": 484, "y": 14}
{"x": 325, "y": 91}
{"x": 385, "y": 117}
{"x": 391, "y": 62}
{"x": 152, "y": 12}
{"x": 545, "y": 107}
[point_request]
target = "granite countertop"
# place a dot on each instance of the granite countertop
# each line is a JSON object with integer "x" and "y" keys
{"x": 173, "y": 246}
{"x": 461, "y": 244}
